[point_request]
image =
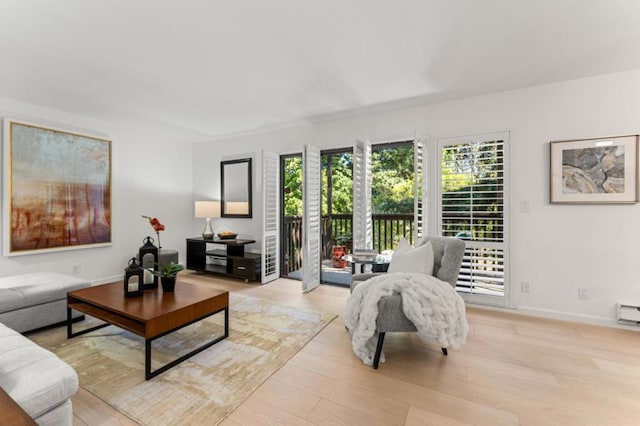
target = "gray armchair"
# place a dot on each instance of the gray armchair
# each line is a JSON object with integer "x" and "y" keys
{"x": 448, "y": 253}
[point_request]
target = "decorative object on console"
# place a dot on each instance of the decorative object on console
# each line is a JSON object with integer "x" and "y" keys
{"x": 595, "y": 171}
{"x": 133, "y": 279}
{"x": 57, "y": 189}
{"x": 167, "y": 274}
{"x": 148, "y": 255}
{"x": 156, "y": 225}
{"x": 227, "y": 235}
{"x": 208, "y": 210}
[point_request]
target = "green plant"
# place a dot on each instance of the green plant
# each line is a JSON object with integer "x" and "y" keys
{"x": 171, "y": 269}
{"x": 341, "y": 240}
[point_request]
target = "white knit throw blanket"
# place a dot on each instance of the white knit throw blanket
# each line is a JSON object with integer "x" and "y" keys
{"x": 432, "y": 305}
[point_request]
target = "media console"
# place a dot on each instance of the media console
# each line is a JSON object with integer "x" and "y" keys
{"x": 230, "y": 261}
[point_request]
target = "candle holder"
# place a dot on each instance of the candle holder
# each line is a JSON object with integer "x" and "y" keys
{"x": 149, "y": 260}
{"x": 133, "y": 278}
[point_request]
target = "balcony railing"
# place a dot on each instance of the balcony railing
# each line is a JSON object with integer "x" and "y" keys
{"x": 387, "y": 230}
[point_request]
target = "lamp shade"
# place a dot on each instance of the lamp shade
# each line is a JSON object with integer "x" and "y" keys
{"x": 207, "y": 208}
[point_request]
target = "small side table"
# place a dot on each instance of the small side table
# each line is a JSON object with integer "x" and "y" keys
{"x": 379, "y": 262}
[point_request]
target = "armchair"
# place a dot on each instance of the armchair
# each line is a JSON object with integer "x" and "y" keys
{"x": 448, "y": 253}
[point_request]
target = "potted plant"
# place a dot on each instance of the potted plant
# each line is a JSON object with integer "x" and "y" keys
{"x": 339, "y": 249}
{"x": 167, "y": 274}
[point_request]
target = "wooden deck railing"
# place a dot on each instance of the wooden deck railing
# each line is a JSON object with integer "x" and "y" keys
{"x": 337, "y": 228}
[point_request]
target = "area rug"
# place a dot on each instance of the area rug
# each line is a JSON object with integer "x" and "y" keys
{"x": 204, "y": 389}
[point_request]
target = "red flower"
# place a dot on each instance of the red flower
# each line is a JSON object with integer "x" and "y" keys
{"x": 155, "y": 223}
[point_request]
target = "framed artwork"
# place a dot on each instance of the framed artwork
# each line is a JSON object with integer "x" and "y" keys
{"x": 600, "y": 170}
{"x": 57, "y": 189}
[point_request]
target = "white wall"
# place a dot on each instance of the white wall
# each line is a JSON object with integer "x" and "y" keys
{"x": 151, "y": 175}
{"x": 556, "y": 248}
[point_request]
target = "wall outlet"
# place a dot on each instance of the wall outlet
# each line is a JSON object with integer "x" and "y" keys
{"x": 525, "y": 286}
{"x": 583, "y": 294}
{"x": 75, "y": 269}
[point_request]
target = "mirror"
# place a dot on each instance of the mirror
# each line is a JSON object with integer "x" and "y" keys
{"x": 235, "y": 180}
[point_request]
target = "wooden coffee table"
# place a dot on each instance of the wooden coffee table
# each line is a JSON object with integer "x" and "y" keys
{"x": 150, "y": 316}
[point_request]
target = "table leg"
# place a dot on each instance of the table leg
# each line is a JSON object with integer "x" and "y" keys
{"x": 148, "y": 374}
{"x": 70, "y": 321}
{"x": 69, "y": 333}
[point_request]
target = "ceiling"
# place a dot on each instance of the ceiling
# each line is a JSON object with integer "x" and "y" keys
{"x": 211, "y": 68}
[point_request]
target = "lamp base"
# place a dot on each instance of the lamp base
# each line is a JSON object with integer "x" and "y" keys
{"x": 207, "y": 233}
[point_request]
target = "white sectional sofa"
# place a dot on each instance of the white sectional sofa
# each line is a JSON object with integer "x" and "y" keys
{"x": 40, "y": 382}
{"x": 35, "y": 300}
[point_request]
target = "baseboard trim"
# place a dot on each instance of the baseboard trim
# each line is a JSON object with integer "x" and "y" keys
{"x": 558, "y": 315}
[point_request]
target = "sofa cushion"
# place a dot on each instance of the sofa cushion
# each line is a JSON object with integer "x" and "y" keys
{"x": 36, "y": 288}
{"x": 34, "y": 377}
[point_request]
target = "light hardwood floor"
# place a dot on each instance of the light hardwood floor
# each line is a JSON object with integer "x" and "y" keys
{"x": 512, "y": 370}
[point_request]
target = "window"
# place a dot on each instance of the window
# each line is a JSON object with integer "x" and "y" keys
{"x": 473, "y": 188}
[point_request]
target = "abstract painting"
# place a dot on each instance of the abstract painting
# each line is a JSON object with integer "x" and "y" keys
{"x": 601, "y": 170}
{"x": 57, "y": 189}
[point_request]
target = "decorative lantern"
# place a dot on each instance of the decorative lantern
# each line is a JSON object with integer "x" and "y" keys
{"x": 149, "y": 257}
{"x": 133, "y": 276}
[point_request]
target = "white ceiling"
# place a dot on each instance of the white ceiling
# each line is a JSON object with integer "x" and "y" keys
{"x": 212, "y": 67}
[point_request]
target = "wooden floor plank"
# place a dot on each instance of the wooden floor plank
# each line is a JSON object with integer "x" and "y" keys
{"x": 419, "y": 417}
{"x": 408, "y": 393}
{"x": 366, "y": 401}
{"x": 291, "y": 399}
{"x": 256, "y": 412}
{"x": 331, "y": 413}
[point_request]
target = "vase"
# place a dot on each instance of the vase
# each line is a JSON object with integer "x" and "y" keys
{"x": 168, "y": 284}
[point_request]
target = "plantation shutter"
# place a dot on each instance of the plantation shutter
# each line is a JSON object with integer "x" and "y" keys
{"x": 419, "y": 190}
{"x": 473, "y": 196}
{"x": 311, "y": 237}
{"x": 270, "y": 217}
{"x": 362, "y": 225}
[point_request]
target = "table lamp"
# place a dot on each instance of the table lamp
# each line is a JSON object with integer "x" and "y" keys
{"x": 207, "y": 209}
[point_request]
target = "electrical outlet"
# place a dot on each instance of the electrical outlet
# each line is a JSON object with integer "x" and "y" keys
{"x": 583, "y": 294}
{"x": 75, "y": 269}
{"x": 525, "y": 287}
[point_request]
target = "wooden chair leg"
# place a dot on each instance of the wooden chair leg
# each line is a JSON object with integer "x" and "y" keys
{"x": 444, "y": 351}
{"x": 376, "y": 358}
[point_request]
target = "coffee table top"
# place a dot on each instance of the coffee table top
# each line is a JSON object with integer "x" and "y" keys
{"x": 154, "y": 303}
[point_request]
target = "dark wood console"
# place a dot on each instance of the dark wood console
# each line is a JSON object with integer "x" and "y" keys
{"x": 231, "y": 261}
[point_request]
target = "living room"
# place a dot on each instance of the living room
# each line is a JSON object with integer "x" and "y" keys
{"x": 577, "y": 77}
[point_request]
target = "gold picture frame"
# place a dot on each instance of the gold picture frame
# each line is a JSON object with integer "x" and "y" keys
{"x": 595, "y": 171}
{"x": 57, "y": 189}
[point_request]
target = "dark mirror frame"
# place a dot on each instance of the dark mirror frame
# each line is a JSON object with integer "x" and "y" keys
{"x": 224, "y": 191}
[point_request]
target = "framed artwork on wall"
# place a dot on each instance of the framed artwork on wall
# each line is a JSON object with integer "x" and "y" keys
{"x": 595, "y": 171}
{"x": 57, "y": 189}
